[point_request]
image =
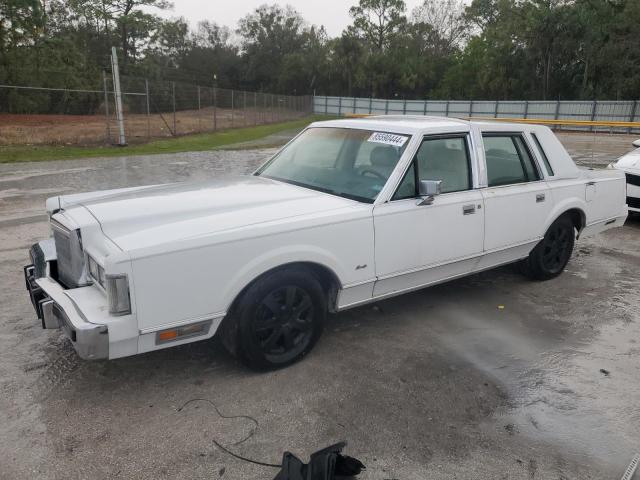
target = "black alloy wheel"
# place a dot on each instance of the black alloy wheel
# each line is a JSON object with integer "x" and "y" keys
{"x": 283, "y": 324}
{"x": 550, "y": 257}
{"x": 277, "y": 320}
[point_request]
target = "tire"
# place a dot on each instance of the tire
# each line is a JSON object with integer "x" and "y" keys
{"x": 277, "y": 320}
{"x": 550, "y": 257}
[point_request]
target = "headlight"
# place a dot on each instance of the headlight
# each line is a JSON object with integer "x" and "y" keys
{"x": 96, "y": 272}
{"x": 118, "y": 293}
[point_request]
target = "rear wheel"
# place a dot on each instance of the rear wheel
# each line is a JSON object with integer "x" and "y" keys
{"x": 551, "y": 255}
{"x": 279, "y": 319}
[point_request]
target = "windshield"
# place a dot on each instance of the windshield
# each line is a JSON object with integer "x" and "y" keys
{"x": 347, "y": 162}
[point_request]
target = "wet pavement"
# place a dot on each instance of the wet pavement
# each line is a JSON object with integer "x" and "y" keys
{"x": 492, "y": 376}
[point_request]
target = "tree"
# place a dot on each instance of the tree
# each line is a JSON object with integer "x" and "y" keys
{"x": 346, "y": 54}
{"x": 446, "y": 19}
{"x": 21, "y": 21}
{"x": 377, "y": 21}
{"x": 268, "y": 34}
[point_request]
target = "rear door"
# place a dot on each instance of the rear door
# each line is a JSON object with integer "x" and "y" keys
{"x": 517, "y": 199}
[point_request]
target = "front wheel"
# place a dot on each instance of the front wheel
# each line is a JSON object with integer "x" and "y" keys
{"x": 551, "y": 255}
{"x": 279, "y": 319}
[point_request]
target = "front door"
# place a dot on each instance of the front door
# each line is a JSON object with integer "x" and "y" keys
{"x": 416, "y": 245}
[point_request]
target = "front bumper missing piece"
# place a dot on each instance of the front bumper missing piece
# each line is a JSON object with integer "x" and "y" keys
{"x": 56, "y": 310}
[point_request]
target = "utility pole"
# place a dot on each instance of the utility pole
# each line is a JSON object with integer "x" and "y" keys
{"x": 118, "y": 96}
{"x": 215, "y": 102}
{"x": 106, "y": 105}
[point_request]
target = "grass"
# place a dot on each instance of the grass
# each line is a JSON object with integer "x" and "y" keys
{"x": 188, "y": 143}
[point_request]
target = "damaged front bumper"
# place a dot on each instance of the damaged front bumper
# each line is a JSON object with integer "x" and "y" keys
{"x": 56, "y": 310}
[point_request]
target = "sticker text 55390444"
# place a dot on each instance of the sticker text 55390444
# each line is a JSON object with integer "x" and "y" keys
{"x": 388, "y": 139}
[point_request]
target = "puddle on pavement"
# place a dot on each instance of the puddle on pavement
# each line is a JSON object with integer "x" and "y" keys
{"x": 571, "y": 384}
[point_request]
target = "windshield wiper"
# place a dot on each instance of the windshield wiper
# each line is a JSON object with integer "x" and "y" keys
{"x": 349, "y": 196}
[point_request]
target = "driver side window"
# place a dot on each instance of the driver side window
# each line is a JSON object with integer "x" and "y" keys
{"x": 442, "y": 158}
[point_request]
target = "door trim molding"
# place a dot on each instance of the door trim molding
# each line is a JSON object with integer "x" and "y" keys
{"x": 458, "y": 259}
{"x": 440, "y": 280}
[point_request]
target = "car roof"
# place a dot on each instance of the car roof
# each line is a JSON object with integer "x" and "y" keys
{"x": 412, "y": 124}
{"x": 398, "y": 123}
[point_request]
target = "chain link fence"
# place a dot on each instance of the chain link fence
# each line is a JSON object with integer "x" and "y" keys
{"x": 32, "y": 115}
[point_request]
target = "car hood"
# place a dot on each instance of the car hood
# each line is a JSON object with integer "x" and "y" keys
{"x": 147, "y": 216}
{"x": 630, "y": 162}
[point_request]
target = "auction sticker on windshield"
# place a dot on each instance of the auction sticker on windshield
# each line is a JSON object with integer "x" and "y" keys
{"x": 388, "y": 139}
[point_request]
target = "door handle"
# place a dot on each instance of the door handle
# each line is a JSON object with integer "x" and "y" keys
{"x": 540, "y": 197}
{"x": 468, "y": 209}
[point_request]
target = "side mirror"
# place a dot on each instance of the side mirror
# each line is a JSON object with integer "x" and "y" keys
{"x": 636, "y": 143}
{"x": 428, "y": 190}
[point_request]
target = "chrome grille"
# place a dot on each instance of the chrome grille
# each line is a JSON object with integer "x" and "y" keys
{"x": 71, "y": 268}
{"x": 38, "y": 260}
{"x": 633, "y": 179}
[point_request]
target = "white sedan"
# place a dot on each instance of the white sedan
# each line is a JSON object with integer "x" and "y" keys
{"x": 348, "y": 213}
{"x": 630, "y": 165}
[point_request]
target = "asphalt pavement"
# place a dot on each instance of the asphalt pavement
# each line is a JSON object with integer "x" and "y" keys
{"x": 492, "y": 376}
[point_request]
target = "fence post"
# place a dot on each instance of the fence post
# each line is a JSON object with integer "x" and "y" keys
{"x": 370, "y": 105}
{"x": 255, "y": 108}
{"x": 632, "y": 117}
{"x": 146, "y": 88}
{"x": 339, "y": 106}
{"x": 446, "y": 111}
{"x": 355, "y": 100}
{"x": 199, "y": 111}
{"x": 118, "y": 96}
{"x": 495, "y": 114}
{"x": 106, "y": 105}
{"x": 232, "y": 115}
{"x": 244, "y": 108}
{"x": 404, "y": 107}
{"x": 175, "y": 123}
{"x": 526, "y": 108}
{"x": 556, "y": 115}
{"x": 386, "y": 108}
{"x": 424, "y": 108}
{"x": 215, "y": 109}
{"x": 326, "y": 104}
{"x": 594, "y": 107}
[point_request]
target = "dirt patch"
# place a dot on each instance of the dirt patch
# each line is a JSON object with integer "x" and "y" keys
{"x": 96, "y": 129}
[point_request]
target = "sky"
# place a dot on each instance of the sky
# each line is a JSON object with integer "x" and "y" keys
{"x": 333, "y": 14}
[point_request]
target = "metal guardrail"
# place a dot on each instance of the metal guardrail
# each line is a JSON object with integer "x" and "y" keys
{"x": 575, "y": 123}
{"x": 611, "y": 115}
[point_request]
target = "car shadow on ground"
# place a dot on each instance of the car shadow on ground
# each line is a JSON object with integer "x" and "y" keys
{"x": 407, "y": 321}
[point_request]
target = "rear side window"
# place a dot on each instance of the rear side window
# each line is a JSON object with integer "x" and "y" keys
{"x": 545, "y": 159}
{"x": 508, "y": 160}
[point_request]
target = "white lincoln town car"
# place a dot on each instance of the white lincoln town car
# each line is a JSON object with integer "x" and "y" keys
{"x": 349, "y": 212}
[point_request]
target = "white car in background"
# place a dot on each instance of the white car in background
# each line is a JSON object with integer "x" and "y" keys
{"x": 348, "y": 213}
{"x": 630, "y": 165}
